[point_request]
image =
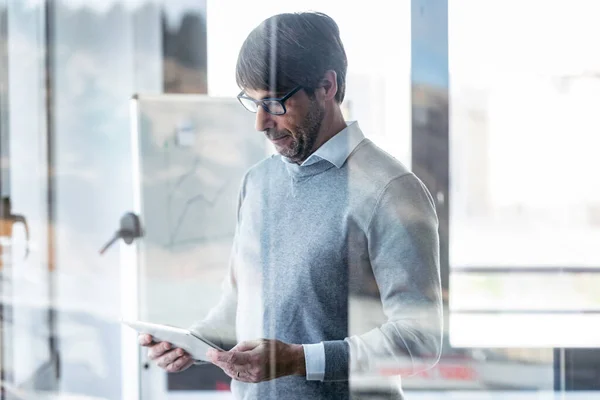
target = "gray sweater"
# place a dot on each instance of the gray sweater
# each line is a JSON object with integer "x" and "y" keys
{"x": 308, "y": 238}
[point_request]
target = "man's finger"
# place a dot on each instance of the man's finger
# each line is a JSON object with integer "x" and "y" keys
{"x": 145, "y": 339}
{"x": 180, "y": 363}
{"x": 239, "y": 375}
{"x": 230, "y": 358}
{"x": 211, "y": 354}
{"x": 169, "y": 358}
{"x": 223, "y": 357}
{"x": 157, "y": 350}
{"x": 247, "y": 345}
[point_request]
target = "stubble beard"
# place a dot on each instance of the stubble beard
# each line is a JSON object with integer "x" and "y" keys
{"x": 306, "y": 134}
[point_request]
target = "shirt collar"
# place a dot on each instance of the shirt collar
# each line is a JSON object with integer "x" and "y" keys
{"x": 337, "y": 149}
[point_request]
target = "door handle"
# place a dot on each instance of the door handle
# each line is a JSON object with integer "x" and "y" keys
{"x": 130, "y": 228}
{"x": 13, "y": 219}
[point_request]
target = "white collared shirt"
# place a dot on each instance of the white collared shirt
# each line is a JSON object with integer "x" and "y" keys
{"x": 337, "y": 149}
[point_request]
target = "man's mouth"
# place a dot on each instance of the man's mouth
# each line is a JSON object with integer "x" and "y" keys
{"x": 279, "y": 139}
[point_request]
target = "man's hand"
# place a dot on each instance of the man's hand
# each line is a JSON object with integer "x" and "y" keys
{"x": 260, "y": 360}
{"x": 168, "y": 358}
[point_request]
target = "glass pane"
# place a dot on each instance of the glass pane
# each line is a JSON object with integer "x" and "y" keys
{"x": 525, "y": 203}
{"x": 378, "y": 95}
{"x": 28, "y": 357}
{"x": 193, "y": 152}
{"x": 524, "y": 192}
{"x": 99, "y": 55}
{"x": 524, "y": 135}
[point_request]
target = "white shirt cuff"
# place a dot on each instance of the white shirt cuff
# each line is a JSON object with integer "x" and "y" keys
{"x": 314, "y": 356}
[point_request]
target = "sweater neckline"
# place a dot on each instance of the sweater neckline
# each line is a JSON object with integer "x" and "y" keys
{"x": 298, "y": 171}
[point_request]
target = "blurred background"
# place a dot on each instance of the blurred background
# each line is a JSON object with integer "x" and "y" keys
{"x": 116, "y": 106}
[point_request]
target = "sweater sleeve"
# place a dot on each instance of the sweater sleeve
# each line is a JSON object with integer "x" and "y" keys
{"x": 403, "y": 246}
{"x": 219, "y": 324}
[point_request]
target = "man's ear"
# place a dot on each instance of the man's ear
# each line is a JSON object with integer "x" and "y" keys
{"x": 329, "y": 85}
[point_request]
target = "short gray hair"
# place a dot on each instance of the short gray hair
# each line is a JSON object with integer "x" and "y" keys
{"x": 292, "y": 49}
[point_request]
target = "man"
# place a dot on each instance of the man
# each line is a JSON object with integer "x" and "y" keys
{"x": 316, "y": 223}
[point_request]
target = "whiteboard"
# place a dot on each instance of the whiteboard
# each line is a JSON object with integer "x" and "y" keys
{"x": 193, "y": 152}
{"x": 189, "y": 155}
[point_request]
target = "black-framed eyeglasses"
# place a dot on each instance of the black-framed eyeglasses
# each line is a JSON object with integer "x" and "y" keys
{"x": 272, "y": 105}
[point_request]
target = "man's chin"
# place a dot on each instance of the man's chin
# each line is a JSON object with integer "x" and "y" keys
{"x": 290, "y": 157}
{"x": 287, "y": 152}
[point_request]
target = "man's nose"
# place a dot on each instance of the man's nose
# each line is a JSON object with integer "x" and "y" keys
{"x": 264, "y": 120}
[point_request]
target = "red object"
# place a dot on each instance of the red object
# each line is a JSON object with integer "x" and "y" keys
{"x": 450, "y": 372}
{"x": 458, "y": 373}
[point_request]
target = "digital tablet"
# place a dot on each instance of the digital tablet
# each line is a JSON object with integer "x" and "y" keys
{"x": 185, "y": 339}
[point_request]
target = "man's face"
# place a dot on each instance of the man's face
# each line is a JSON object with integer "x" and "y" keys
{"x": 293, "y": 134}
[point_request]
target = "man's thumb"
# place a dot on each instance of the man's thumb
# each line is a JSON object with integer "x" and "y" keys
{"x": 247, "y": 345}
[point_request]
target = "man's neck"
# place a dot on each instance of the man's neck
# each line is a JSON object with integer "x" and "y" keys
{"x": 332, "y": 124}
